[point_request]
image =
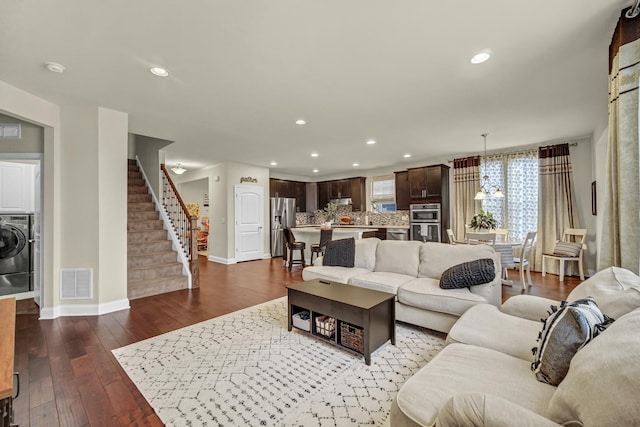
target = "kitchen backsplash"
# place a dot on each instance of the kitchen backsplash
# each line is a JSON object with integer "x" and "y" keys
{"x": 399, "y": 218}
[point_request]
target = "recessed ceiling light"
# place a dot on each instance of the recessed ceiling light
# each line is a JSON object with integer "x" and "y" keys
{"x": 55, "y": 67}
{"x": 481, "y": 57}
{"x": 356, "y": 164}
{"x": 159, "y": 71}
{"x": 301, "y": 122}
{"x": 406, "y": 156}
{"x": 273, "y": 163}
{"x": 314, "y": 154}
{"x": 371, "y": 141}
{"x": 316, "y": 171}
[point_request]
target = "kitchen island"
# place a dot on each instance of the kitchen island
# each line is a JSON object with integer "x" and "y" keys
{"x": 310, "y": 235}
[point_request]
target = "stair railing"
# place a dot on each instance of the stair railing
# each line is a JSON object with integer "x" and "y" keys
{"x": 185, "y": 225}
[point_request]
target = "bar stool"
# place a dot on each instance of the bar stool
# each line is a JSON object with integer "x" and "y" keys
{"x": 326, "y": 234}
{"x": 292, "y": 245}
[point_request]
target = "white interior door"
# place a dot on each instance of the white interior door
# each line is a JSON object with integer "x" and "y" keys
{"x": 249, "y": 218}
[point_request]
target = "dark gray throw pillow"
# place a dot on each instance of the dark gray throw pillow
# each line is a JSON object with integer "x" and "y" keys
{"x": 472, "y": 273}
{"x": 340, "y": 253}
{"x": 565, "y": 331}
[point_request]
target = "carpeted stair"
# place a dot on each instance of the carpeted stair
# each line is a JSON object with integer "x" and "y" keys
{"x": 152, "y": 266}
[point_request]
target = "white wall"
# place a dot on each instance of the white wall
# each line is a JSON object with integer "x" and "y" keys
{"x": 25, "y": 106}
{"x": 193, "y": 192}
{"x": 112, "y": 205}
{"x": 149, "y": 151}
{"x": 222, "y": 179}
{"x": 74, "y": 174}
{"x": 31, "y": 139}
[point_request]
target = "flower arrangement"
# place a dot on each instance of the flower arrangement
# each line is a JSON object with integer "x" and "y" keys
{"x": 483, "y": 221}
{"x": 330, "y": 211}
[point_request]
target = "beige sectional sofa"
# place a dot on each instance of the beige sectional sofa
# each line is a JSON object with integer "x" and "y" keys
{"x": 412, "y": 270}
{"x": 483, "y": 376}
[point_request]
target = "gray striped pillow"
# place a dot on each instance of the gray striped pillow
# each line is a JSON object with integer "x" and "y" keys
{"x": 567, "y": 249}
{"x": 566, "y": 331}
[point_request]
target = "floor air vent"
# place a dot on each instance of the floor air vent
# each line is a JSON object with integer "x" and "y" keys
{"x": 76, "y": 283}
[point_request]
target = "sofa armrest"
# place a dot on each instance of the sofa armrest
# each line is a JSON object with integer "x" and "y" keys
{"x": 528, "y": 306}
{"x": 479, "y": 409}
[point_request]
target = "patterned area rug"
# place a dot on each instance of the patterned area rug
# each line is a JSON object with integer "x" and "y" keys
{"x": 245, "y": 368}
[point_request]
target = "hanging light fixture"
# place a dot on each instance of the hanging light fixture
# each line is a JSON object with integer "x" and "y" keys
{"x": 484, "y": 184}
{"x": 178, "y": 170}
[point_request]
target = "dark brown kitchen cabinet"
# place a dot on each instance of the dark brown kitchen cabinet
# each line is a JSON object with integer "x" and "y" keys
{"x": 427, "y": 184}
{"x": 402, "y": 190}
{"x": 324, "y": 194}
{"x": 353, "y": 188}
{"x": 293, "y": 189}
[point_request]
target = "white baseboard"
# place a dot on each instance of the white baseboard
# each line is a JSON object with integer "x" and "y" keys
{"x": 220, "y": 260}
{"x": 266, "y": 255}
{"x": 83, "y": 309}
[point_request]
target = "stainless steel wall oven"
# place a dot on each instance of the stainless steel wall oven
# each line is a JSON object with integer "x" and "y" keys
{"x": 425, "y": 222}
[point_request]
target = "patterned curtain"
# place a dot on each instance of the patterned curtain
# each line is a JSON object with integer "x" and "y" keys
{"x": 557, "y": 203}
{"x": 621, "y": 222}
{"x": 466, "y": 182}
{"x": 516, "y": 174}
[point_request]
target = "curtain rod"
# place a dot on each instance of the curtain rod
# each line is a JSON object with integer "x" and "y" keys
{"x": 571, "y": 144}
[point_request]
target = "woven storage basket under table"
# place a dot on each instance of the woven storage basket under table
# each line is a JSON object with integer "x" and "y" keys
{"x": 325, "y": 325}
{"x": 352, "y": 337}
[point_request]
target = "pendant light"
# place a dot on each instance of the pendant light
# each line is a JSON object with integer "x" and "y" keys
{"x": 178, "y": 170}
{"x": 484, "y": 184}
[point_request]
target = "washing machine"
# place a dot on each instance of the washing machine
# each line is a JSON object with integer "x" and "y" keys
{"x": 15, "y": 254}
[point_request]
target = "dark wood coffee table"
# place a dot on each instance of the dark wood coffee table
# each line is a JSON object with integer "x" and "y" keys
{"x": 372, "y": 311}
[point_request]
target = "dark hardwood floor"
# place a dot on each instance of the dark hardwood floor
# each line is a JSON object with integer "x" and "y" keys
{"x": 68, "y": 376}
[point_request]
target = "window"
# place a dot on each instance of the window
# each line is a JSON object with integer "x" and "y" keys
{"x": 517, "y": 176}
{"x": 383, "y": 193}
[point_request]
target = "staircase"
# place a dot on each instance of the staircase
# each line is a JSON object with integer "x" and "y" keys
{"x": 152, "y": 266}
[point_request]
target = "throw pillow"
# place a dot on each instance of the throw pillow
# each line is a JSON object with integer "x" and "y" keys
{"x": 567, "y": 249}
{"x": 472, "y": 273}
{"x": 340, "y": 253}
{"x": 565, "y": 331}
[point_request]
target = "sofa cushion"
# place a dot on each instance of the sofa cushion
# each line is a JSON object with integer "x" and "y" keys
{"x": 565, "y": 331}
{"x": 470, "y": 273}
{"x": 603, "y": 382}
{"x": 340, "y": 253}
{"x": 461, "y": 368}
{"x": 481, "y": 409}
{"x": 615, "y": 289}
{"x": 400, "y": 257}
{"x": 435, "y": 258}
{"x": 366, "y": 253}
{"x": 335, "y": 274}
{"x": 485, "y": 326}
{"x": 380, "y": 281}
{"x": 426, "y": 293}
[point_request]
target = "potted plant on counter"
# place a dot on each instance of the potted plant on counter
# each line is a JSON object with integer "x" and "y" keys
{"x": 330, "y": 212}
{"x": 483, "y": 221}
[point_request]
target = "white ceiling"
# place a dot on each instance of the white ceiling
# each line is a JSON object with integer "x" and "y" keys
{"x": 397, "y": 71}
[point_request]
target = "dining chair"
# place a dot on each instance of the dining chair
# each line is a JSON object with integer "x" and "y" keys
{"x": 451, "y": 236}
{"x": 569, "y": 249}
{"x": 502, "y": 234}
{"x": 523, "y": 260}
{"x": 292, "y": 245}
{"x": 486, "y": 238}
{"x": 326, "y": 234}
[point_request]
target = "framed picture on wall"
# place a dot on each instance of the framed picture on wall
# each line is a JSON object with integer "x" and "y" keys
{"x": 206, "y": 199}
{"x": 594, "y": 203}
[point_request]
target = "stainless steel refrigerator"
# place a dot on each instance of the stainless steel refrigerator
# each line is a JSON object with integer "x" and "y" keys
{"x": 283, "y": 215}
